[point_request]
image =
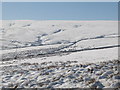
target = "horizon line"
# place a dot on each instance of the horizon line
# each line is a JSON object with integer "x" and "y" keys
{"x": 56, "y": 20}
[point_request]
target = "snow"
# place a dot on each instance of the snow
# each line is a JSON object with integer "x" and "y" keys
{"x": 68, "y": 74}
{"x": 17, "y": 31}
{"x": 63, "y": 56}
{"x": 21, "y": 36}
{"x": 82, "y": 57}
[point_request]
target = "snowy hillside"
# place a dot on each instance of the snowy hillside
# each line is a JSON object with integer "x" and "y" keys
{"x": 33, "y": 33}
{"x": 57, "y": 36}
{"x": 64, "y": 44}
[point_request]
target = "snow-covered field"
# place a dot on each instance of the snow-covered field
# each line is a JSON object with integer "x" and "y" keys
{"x": 49, "y": 54}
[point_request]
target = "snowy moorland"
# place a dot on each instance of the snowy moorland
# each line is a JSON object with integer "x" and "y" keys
{"x": 59, "y": 54}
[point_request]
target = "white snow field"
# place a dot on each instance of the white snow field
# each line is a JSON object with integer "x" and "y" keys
{"x": 59, "y": 54}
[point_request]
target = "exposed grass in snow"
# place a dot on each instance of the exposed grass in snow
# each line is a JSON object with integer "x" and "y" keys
{"x": 62, "y": 74}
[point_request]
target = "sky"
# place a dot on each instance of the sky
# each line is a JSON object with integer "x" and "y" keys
{"x": 0, "y": 10}
{"x": 59, "y": 10}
